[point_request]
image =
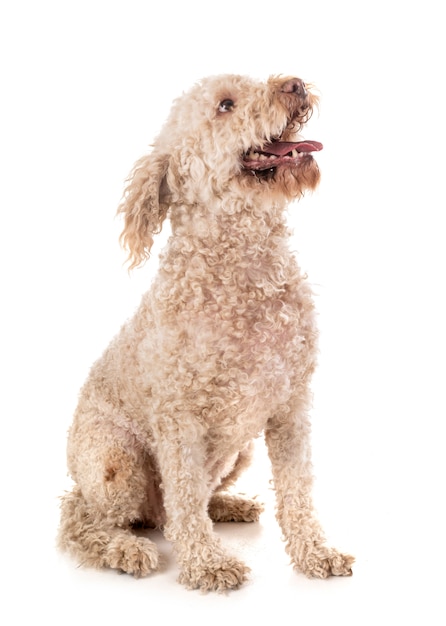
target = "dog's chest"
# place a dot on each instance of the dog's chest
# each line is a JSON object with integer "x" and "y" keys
{"x": 253, "y": 342}
{"x": 229, "y": 340}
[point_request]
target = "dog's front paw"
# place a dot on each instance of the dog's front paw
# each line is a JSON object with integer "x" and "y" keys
{"x": 322, "y": 562}
{"x": 215, "y": 576}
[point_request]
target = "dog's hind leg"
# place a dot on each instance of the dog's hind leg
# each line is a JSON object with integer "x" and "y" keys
{"x": 229, "y": 507}
{"x": 87, "y": 535}
{"x": 116, "y": 487}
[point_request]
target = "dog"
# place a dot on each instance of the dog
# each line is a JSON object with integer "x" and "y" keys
{"x": 220, "y": 350}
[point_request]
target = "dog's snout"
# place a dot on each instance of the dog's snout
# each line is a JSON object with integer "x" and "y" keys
{"x": 295, "y": 85}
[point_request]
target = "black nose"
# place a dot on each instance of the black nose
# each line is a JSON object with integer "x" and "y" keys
{"x": 294, "y": 85}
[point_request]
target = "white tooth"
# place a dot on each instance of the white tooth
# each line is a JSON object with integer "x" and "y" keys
{"x": 254, "y": 155}
{"x": 272, "y": 156}
{"x": 294, "y": 154}
{"x": 263, "y": 157}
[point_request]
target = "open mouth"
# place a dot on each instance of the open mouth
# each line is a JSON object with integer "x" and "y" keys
{"x": 278, "y": 153}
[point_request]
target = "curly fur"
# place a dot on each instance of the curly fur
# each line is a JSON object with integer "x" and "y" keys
{"x": 220, "y": 350}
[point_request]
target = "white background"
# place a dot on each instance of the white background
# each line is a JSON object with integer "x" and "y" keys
{"x": 85, "y": 86}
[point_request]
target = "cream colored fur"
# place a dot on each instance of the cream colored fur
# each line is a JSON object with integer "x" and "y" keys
{"x": 220, "y": 350}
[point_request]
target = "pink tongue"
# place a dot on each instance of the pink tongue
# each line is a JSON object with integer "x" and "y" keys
{"x": 280, "y": 148}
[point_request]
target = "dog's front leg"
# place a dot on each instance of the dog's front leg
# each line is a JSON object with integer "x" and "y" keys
{"x": 186, "y": 490}
{"x": 287, "y": 438}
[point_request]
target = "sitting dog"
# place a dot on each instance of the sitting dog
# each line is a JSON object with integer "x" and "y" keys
{"x": 220, "y": 350}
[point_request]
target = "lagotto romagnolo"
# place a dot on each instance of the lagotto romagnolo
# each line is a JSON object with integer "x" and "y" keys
{"x": 220, "y": 350}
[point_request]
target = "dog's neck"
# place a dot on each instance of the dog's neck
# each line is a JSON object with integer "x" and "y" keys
{"x": 247, "y": 247}
{"x": 243, "y": 224}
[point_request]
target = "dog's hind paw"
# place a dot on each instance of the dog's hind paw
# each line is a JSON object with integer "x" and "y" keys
{"x": 225, "y": 507}
{"x": 132, "y": 555}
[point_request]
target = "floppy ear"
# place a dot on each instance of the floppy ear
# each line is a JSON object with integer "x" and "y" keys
{"x": 144, "y": 206}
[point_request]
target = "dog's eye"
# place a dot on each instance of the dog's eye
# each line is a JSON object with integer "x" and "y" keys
{"x": 226, "y": 105}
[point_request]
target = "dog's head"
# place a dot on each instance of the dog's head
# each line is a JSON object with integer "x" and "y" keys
{"x": 229, "y": 138}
